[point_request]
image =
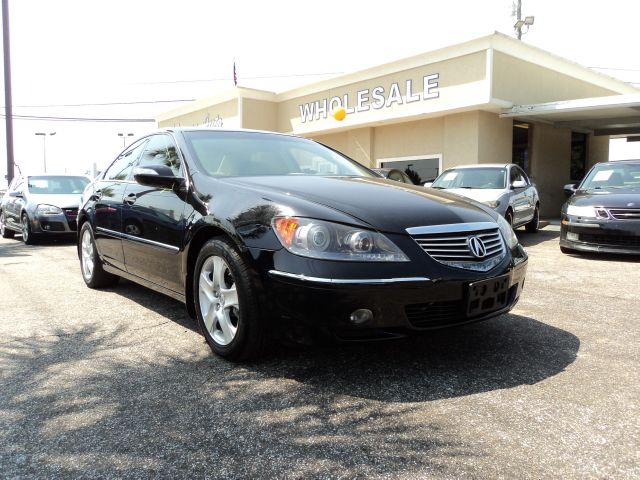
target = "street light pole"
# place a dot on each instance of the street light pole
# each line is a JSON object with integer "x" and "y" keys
{"x": 124, "y": 139}
{"x": 44, "y": 147}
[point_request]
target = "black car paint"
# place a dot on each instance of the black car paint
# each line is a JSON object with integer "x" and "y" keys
{"x": 242, "y": 208}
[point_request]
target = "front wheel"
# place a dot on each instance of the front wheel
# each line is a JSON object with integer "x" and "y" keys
{"x": 508, "y": 216}
{"x": 90, "y": 264}
{"x": 28, "y": 237}
{"x": 534, "y": 224}
{"x": 4, "y": 231}
{"x": 226, "y": 299}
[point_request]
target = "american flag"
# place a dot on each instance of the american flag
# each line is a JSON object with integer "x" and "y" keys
{"x": 235, "y": 76}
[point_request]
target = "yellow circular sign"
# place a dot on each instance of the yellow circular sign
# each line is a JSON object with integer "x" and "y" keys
{"x": 339, "y": 114}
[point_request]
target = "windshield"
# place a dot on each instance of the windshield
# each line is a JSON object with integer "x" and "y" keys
{"x": 622, "y": 175}
{"x": 256, "y": 154}
{"x": 483, "y": 178}
{"x": 56, "y": 184}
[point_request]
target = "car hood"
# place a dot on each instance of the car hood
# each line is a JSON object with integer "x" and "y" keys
{"x": 383, "y": 204}
{"x": 611, "y": 198}
{"x": 478, "y": 194}
{"x": 59, "y": 200}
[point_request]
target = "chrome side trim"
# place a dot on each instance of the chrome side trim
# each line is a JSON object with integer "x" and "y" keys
{"x": 347, "y": 281}
{"x": 453, "y": 227}
{"x": 113, "y": 233}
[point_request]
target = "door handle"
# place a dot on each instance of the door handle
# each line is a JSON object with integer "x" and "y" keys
{"x": 130, "y": 199}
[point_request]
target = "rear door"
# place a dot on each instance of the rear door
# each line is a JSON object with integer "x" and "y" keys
{"x": 520, "y": 197}
{"x": 153, "y": 220}
{"x": 108, "y": 196}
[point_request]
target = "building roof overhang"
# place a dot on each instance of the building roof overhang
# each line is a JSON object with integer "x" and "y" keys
{"x": 616, "y": 116}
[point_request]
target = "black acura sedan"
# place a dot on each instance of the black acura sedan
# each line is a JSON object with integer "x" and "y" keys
{"x": 603, "y": 215}
{"x": 257, "y": 229}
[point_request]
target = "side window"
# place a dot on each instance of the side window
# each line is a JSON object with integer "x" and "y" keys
{"x": 121, "y": 168}
{"x": 517, "y": 174}
{"x": 162, "y": 151}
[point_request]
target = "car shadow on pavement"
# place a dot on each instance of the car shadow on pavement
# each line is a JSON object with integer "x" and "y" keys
{"x": 543, "y": 235}
{"x": 505, "y": 352}
{"x": 93, "y": 403}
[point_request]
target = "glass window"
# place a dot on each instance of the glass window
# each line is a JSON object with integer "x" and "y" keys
{"x": 161, "y": 151}
{"x": 518, "y": 174}
{"x": 57, "y": 184}
{"x": 521, "y": 154}
{"x": 481, "y": 177}
{"x": 122, "y": 166}
{"x": 256, "y": 154}
{"x": 578, "y": 155}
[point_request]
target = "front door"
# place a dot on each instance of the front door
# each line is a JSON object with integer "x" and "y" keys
{"x": 153, "y": 221}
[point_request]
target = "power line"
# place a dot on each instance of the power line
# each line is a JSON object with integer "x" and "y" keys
{"x": 142, "y": 102}
{"x": 222, "y": 79}
{"x": 81, "y": 119}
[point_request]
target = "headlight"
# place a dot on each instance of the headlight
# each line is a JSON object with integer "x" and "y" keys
{"x": 589, "y": 212}
{"x": 507, "y": 232}
{"x": 492, "y": 203}
{"x": 331, "y": 241}
{"x": 48, "y": 210}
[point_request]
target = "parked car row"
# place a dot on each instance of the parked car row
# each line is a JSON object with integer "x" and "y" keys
{"x": 250, "y": 229}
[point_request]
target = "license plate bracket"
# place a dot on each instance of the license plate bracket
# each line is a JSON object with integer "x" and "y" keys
{"x": 488, "y": 295}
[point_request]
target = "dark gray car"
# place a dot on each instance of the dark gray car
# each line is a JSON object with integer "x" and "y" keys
{"x": 39, "y": 205}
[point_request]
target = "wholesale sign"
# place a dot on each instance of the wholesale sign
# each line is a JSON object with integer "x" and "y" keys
{"x": 371, "y": 99}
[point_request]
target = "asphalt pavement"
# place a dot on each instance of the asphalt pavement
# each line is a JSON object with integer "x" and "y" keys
{"x": 118, "y": 383}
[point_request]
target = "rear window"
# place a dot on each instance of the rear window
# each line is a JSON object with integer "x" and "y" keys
{"x": 481, "y": 178}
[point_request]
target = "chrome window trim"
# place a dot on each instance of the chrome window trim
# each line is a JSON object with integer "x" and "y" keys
{"x": 347, "y": 281}
{"x": 452, "y": 227}
{"x": 113, "y": 233}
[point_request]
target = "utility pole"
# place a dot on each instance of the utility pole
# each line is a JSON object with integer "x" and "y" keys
{"x": 527, "y": 22}
{"x": 8, "y": 109}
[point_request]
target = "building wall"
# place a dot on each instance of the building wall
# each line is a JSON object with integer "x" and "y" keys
{"x": 460, "y": 143}
{"x": 423, "y": 137}
{"x": 597, "y": 150}
{"x": 495, "y": 138}
{"x": 226, "y": 112}
{"x": 357, "y": 144}
{"x": 461, "y": 83}
{"x": 550, "y": 166}
{"x": 259, "y": 114}
{"x": 525, "y": 83}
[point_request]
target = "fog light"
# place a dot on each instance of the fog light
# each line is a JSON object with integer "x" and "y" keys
{"x": 573, "y": 237}
{"x": 361, "y": 316}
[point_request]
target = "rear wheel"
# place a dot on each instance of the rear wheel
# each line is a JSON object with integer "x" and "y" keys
{"x": 28, "y": 237}
{"x": 226, "y": 299}
{"x": 4, "y": 231}
{"x": 534, "y": 224}
{"x": 90, "y": 264}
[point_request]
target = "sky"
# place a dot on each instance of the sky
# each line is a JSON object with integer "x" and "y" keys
{"x": 144, "y": 55}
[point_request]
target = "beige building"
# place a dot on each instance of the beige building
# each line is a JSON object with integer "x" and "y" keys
{"x": 493, "y": 99}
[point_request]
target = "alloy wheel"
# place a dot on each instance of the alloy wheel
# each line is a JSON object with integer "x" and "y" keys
{"x": 87, "y": 255}
{"x": 218, "y": 298}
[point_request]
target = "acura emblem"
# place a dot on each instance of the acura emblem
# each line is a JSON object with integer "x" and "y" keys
{"x": 477, "y": 247}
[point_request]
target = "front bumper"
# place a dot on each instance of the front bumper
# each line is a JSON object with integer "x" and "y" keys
{"x": 399, "y": 305}
{"x": 58, "y": 224}
{"x": 600, "y": 236}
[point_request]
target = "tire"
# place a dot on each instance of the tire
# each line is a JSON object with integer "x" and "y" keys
{"x": 226, "y": 300}
{"x": 28, "y": 237}
{"x": 90, "y": 264}
{"x": 534, "y": 224}
{"x": 4, "y": 231}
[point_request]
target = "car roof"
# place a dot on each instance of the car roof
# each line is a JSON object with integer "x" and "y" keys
{"x": 482, "y": 165}
{"x": 618, "y": 162}
{"x": 219, "y": 129}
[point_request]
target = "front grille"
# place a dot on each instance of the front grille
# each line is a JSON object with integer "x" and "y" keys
{"x": 436, "y": 314}
{"x": 52, "y": 226}
{"x": 612, "y": 240}
{"x": 625, "y": 213}
{"x": 71, "y": 214}
{"x": 450, "y": 244}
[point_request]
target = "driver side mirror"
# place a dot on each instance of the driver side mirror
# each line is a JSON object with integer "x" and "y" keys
{"x": 16, "y": 195}
{"x": 159, "y": 176}
{"x": 519, "y": 184}
{"x": 570, "y": 189}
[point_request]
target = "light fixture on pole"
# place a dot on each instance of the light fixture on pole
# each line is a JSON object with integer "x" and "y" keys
{"x": 124, "y": 138}
{"x": 44, "y": 147}
{"x": 527, "y": 22}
